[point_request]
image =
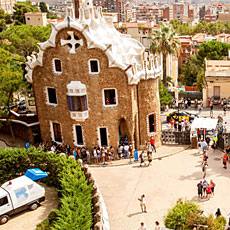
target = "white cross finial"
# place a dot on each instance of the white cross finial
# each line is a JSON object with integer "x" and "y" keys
{"x": 72, "y": 42}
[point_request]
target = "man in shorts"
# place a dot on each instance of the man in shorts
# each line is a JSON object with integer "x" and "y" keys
{"x": 142, "y": 203}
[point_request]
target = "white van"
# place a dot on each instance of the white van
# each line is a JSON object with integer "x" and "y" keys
{"x": 19, "y": 194}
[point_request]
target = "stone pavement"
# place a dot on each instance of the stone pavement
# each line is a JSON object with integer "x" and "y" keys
{"x": 163, "y": 184}
{"x": 161, "y": 153}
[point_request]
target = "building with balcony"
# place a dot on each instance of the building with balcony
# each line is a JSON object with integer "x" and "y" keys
{"x": 93, "y": 85}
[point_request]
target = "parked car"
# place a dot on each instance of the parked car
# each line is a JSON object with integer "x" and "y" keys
{"x": 180, "y": 115}
{"x": 21, "y": 193}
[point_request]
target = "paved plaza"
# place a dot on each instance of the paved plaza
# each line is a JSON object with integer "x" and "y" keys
{"x": 163, "y": 183}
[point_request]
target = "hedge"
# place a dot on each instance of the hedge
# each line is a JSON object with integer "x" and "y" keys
{"x": 75, "y": 207}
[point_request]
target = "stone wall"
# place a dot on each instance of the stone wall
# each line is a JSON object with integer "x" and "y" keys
{"x": 148, "y": 104}
{"x": 75, "y": 68}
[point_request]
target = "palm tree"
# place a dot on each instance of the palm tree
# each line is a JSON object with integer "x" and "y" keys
{"x": 164, "y": 41}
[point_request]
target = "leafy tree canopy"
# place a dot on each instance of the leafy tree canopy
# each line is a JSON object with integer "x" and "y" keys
{"x": 203, "y": 27}
{"x": 20, "y": 8}
{"x": 4, "y": 19}
{"x": 23, "y": 39}
{"x": 43, "y": 7}
{"x": 193, "y": 72}
{"x": 11, "y": 79}
{"x": 214, "y": 50}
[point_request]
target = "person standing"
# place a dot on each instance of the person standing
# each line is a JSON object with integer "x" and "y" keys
{"x": 211, "y": 109}
{"x": 208, "y": 191}
{"x": 218, "y": 213}
{"x": 205, "y": 185}
{"x": 149, "y": 150}
{"x": 142, "y": 227}
{"x": 224, "y": 109}
{"x": 157, "y": 227}
{"x": 200, "y": 190}
{"x": 225, "y": 160}
{"x": 152, "y": 142}
{"x": 204, "y": 169}
{"x": 142, "y": 203}
{"x": 207, "y": 138}
{"x": 141, "y": 156}
{"x": 198, "y": 134}
{"x": 213, "y": 185}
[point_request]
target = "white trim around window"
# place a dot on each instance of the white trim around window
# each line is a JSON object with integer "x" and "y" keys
{"x": 98, "y": 66}
{"x": 52, "y": 132}
{"x": 99, "y": 135}
{"x": 47, "y": 96}
{"x": 54, "y": 66}
{"x": 116, "y": 97}
{"x": 155, "y": 117}
{"x": 75, "y": 135}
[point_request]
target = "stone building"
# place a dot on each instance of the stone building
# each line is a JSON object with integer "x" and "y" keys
{"x": 93, "y": 85}
{"x": 217, "y": 80}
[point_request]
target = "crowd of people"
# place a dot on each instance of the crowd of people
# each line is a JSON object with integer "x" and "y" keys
{"x": 177, "y": 125}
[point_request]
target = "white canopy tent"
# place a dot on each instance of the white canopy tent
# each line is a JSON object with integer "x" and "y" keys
{"x": 204, "y": 123}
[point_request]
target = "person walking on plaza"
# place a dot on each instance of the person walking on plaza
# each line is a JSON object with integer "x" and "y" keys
{"x": 213, "y": 185}
{"x": 152, "y": 142}
{"x": 157, "y": 227}
{"x": 141, "y": 156}
{"x": 200, "y": 190}
{"x": 225, "y": 160}
{"x": 204, "y": 169}
{"x": 142, "y": 203}
{"x": 142, "y": 227}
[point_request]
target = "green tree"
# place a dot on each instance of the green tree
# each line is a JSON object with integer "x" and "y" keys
{"x": 24, "y": 38}
{"x": 214, "y": 50}
{"x": 20, "y": 8}
{"x": 11, "y": 82}
{"x": 164, "y": 41}
{"x": 4, "y": 19}
{"x": 43, "y": 7}
{"x": 165, "y": 97}
{"x": 193, "y": 72}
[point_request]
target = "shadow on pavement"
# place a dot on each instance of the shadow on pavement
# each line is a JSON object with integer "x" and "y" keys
{"x": 134, "y": 214}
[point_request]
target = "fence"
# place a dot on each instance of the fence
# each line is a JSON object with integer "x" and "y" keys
{"x": 175, "y": 137}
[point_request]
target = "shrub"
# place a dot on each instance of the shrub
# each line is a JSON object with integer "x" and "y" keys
{"x": 181, "y": 214}
{"x": 185, "y": 215}
{"x": 216, "y": 223}
{"x": 75, "y": 208}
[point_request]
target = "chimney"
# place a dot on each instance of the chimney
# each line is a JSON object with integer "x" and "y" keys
{"x": 76, "y": 8}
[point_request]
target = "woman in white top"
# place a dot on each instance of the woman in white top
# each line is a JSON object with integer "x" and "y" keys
{"x": 158, "y": 227}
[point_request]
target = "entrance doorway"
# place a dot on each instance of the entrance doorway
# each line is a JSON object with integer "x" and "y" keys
{"x": 123, "y": 129}
{"x": 216, "y": 92}
{"x": 103, "y": 137}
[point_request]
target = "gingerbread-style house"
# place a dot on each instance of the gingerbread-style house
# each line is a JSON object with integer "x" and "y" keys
{"x": 94, "y": 85}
